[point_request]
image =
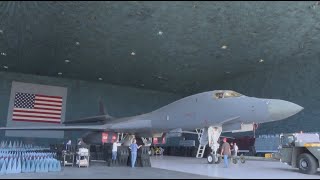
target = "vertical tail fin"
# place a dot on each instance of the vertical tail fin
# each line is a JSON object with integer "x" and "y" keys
{"x": 102, "y": 108}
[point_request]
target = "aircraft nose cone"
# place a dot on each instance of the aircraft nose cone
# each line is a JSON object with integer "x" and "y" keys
{"x": 280, "y": 109}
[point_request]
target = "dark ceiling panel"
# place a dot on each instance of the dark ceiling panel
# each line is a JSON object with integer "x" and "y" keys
{"x": 177, "y": 46}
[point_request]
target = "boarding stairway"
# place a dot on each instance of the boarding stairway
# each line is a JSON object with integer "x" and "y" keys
{"x": 203, "y": 141}
{"x": 208, "y": 136}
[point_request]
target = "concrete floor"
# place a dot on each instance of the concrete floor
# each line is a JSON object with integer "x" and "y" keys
{"x": 252, "y": 169}
{"x": 99, "y": 170}
{"x": 171, "y": 167}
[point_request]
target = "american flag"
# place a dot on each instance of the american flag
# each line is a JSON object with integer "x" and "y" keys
{"x": 37, "y": 108}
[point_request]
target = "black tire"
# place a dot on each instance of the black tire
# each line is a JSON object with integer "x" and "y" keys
{"x": 210, "y": 159}
{"x": 242, "y": 160}
{"x": 234, "y": 160}
{"x": 307, "y": 164}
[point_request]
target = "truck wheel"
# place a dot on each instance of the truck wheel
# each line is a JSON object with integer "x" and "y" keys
{"x": 242, "y": 160}
{"x": 210, "y": 158}
{"x": 307, "y": 164}
{"x": 235, "y": 161}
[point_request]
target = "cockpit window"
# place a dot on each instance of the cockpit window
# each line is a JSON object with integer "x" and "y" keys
{"x": 231, "y": 94}
{"x": 226, "y": 94}
{"x": 219, "y": 95}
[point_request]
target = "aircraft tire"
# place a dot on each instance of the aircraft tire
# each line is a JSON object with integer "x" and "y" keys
{"x": 307, "y": 164}
{"x": 210, "y": 159}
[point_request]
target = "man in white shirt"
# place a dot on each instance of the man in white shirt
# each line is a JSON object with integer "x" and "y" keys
{"x": 235, "y": 147}
{"x": 68, "y": 145}
{"x": 115, "y": 149}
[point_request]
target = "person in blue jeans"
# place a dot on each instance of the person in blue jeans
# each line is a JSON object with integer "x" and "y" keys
{"x": 226, "y": 152}
{"x": 134, "y": 148}
{"x": 115, "y": 149}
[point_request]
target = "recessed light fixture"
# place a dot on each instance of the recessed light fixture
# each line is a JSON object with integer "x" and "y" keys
{"x": 224, "y": 47}
{"x": 3, "y": 54}
{"x": 1, "y": 31}
{"x": 59, "y": 73}
{"x": 6, "y": 67}
{"x": 160, "y": 33}
{"x": 67, "y": 60}
{"x": 261, "y": 60}
{"x": 133, "y": 53}
{"x": 77, "y": 43}
{"x": 100, "y": 79}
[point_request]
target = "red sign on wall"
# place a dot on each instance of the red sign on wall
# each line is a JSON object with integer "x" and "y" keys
{"x": 104, "y": 137}
{"x": 155, "y": 140}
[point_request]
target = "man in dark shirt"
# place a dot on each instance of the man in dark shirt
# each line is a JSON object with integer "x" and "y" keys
{"x": 225, "y": 151}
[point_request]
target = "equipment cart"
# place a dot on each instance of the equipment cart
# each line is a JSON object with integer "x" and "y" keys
{"x": 83, "y": 157}
{"x": 68, "y": 158}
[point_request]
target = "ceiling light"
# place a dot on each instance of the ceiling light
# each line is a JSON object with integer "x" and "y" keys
{"x": 1, "y": 31}
{"x": 160, "y": 33}
{"x": 3, "y": 54}
{"x": 224, "y": 47}
{"x": 133, "y": 53}
{"x": 59, "y": 73}
{"x": 6, "y": 67}
{"x": 67, "y": 60}
{"x": 100, "y": 79}
{"x": 261, "y": 60}
{"x": 228, "y": 72}
{"x": 77, "y": 43}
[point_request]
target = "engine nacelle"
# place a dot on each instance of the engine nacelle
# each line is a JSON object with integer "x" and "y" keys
{"x": 245, "y": 127}
{"x": 99, "y": 137}
{"x": 174, "y": 133}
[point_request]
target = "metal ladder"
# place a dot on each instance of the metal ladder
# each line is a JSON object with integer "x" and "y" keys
{"x": 146, "y": 142}
{"x": 203, "y": 141}
{"x": 120, "y": 136}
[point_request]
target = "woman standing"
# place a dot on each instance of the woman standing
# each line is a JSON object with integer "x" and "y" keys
{"x": 134, "y": 148}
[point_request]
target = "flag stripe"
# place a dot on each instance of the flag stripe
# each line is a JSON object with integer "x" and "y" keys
{"x": 56, "y": 97}
{"x": 35, "y": 114}
{"x": 35, "y": 118}
{"x": 50, "y": 99}
{"x": 51, "y": 105}
{"x": 44, "y": 107}
{"x": 37, "y": 111}
{"x": 47, "y": 100}
{"x": 58, "y": 122}
{"x": 56, "y": 110}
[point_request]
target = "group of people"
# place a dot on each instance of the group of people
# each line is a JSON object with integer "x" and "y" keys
{"x": 227, "y": 150}
{"x": 133, "y": 148}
